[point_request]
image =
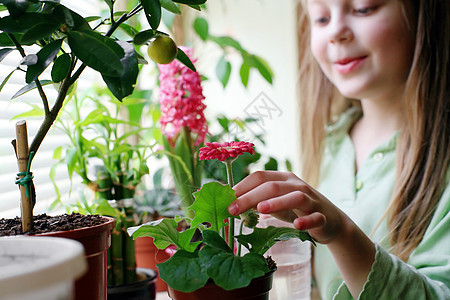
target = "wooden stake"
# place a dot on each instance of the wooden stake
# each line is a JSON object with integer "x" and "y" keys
{"x": 26, "y": 207}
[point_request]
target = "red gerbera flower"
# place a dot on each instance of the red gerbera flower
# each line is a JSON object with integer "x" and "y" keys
{"x": 222, "y": 151}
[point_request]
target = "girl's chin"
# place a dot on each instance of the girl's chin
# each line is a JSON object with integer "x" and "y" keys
{"x": 353, "y": 90}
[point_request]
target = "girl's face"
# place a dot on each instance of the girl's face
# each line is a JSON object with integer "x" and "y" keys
{"x": 365, "y": 47}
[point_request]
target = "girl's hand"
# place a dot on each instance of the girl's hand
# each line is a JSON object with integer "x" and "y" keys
{"x": 281, "y": 194}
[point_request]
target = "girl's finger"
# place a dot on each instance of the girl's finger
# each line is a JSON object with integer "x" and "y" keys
{"x": 257, "y": 178}
{"x": 262, "y": 192}
{"x": 287, "y": 201}
{"x": 312, "y": 221}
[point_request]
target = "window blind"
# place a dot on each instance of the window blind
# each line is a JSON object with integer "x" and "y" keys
{"x": 45, "y": 192}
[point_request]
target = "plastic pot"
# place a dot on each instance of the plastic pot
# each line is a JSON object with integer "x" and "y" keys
{"x": 96, "y": 241}
{"x": 258, "y": 289}
{"x": 142, "y": 289}
{"x": 148, "y": 256}
{"x": 39, "y": 268}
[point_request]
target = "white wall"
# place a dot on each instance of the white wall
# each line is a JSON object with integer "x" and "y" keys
{"x": 266, "y": 28}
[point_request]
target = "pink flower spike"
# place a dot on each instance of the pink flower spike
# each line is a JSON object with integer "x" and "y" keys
{"x": 222, "y": 151}
{"x": 181, "y": 99}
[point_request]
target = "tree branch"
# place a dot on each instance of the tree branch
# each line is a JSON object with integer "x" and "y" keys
{"x": 43, "y": 96}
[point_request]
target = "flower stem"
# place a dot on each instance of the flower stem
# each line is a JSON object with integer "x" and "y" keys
{"x": 241, "y": 229}
{"x": 228, "y": 163}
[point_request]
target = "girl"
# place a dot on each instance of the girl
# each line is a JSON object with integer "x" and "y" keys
{"x": 378, "y": 191}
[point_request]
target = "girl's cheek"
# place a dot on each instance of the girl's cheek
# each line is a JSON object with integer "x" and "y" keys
{"x": 319, "y": 51}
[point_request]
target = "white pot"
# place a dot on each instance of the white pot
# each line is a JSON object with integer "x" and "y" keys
{"x": 39, "y": 267}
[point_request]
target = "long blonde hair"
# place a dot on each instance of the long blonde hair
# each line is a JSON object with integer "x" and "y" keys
{"x": 423, "y": 151}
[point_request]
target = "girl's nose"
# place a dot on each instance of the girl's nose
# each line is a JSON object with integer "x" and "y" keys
{"x": 340, "y": 31}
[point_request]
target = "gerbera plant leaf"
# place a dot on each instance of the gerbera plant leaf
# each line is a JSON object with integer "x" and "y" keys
{"x": 227, "y": 270}
{"x": 184, "y": 271}
{"x": 211, "y": 205}
{"x": 261, "y": 239}
{"x": 165, "y": 233}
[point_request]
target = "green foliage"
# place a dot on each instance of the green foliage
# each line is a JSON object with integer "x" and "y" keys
{"x": 66, "y": 38}
{"x": 211, "y": 205}
{"x": 197, "y": 261}
{"x": 165, "y": 233}
{"x": 261, "y": 239}
{"x": 95, "y": 137}
{"x": 223, "y": 67}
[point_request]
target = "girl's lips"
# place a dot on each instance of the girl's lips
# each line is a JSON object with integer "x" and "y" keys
{"x": 347, "y": 65}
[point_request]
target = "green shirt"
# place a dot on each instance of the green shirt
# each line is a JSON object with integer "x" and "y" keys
{"x": 364, "y": 197}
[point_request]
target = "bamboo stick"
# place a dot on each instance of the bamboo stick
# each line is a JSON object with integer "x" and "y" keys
{"x": 26, "y": 206}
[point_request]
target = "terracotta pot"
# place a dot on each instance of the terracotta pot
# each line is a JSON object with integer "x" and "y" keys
{"x": 143, "y": 289}
{"x": 96, "y": 241}
{"x": 258, "y": 289}
{"x": 148, "y": 256}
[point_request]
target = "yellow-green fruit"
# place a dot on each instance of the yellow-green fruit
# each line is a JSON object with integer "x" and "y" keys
{"x": 162, "y": 50}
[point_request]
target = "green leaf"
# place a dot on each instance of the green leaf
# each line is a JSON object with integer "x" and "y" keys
{"x": 5, "y": 41}
{"x": 288, "y": 165}
{"x": 227, "y": 270}
{"x": 36, "y": 111}
{"x": 6, "y": 79}
{"x": 196, "y": 7}
{"x": 30, "y": 87}
{"x": 185, "y": 60}
{"x": 201, "y": 27}
{"x": 244, "y": 72}
{"x": 152, "y": 9}
{"x": 4, "y": 52}
{"x": 92, "y": 18}
{"x": 224, "y": 123}
{"x": 61, "y": 67}
{"x": 45, "y": 57}
{"x": 261, "y": 239}
{"x": 128, "y": 29}
{"x": 57, "y": 153}
{"x": 223, "y": 71}
{"x": 190, "y": 2}
{"x": 143, "y": 36}
{"x": 211, "y": 205}
{"x": 170, "y": 6}
{"x": 183, "y": 272}
{"x": 214, "y": 240}
{"x": 39, "y": 31}
{"x": 271, "y": 165}
{"x": 100, "y": 53}
{"x": 24, "y": 23}
{"x": 123, "y": 86}
{"x": 226, "y": 41}
{"x": 16, "y": 7}
{"x": 29, "y": 60}
{"x": 165, "y": 233}
{"x": 262, "y": 66}
{"x": 109, "y": 3}
{"x": 71, "y": 160}
{"x": 70, "y": 18}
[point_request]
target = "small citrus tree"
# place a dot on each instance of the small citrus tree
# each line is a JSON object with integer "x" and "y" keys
{"x": 71, "y": 43}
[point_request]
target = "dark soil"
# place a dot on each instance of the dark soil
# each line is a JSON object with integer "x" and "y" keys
{"x": 44, "y": 223}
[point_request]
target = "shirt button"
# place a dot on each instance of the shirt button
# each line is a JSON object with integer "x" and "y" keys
{"x": 359, "y": 184}
{"x": 378, "y": 156}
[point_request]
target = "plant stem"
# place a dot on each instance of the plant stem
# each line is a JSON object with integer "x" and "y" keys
{"x": 241, "y": 229}
{"x": 228, "y": 163}
{"x": 50, "y": 118}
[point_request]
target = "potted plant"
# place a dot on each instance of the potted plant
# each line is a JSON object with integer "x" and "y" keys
{"x": 68, "y": 42}
{"x": 212, "y": 267}
{"x": 98, "y": 140}
{"x": 151, "y": 205}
